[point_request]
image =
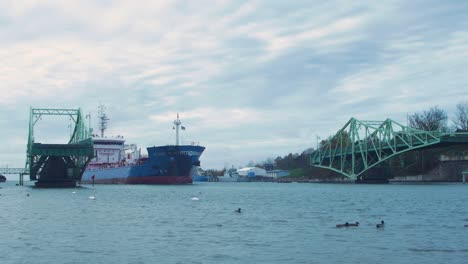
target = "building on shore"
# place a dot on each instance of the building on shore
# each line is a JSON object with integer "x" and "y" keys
{"x": 277, "y": 173}
{"x": 252, "y": 172}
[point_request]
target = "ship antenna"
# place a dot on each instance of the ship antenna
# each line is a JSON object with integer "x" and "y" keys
{"x": 102, "y": 119}
{"x": 177, "y": 124}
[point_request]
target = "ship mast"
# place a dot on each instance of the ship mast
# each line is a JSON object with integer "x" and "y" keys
{"x": 102, "y": 119}
{"x": 177, "y": 124}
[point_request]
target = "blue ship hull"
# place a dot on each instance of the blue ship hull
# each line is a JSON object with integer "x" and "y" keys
{"x": 165, "y": 165}
{"x": 200, "y": 178}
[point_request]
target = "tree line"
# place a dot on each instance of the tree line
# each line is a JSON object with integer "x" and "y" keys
{"x": 437, "y": 119}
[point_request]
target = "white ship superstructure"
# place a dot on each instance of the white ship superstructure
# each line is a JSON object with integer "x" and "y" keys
{"x": 112, "y": 151}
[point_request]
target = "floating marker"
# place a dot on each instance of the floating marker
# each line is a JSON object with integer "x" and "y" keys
{"x": 92, "y": 197}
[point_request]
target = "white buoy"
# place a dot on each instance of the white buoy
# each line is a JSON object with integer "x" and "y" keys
{"x": 194, "y": 198}
{"x": 92, "y": 197}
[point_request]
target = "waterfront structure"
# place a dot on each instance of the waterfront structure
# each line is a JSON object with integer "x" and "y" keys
{"x": 231, "y": 175}
{"x": 252, "y": 172}
{"x": 363, "y": 145}
{"x": 116, "y": 162}
{"x": 277, "y": 173}
{"x": 58, "y": 165}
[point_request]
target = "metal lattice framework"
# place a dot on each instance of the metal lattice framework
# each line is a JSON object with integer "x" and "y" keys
{"x": 360, "y": 145}
{"x": 80, "y": 132}
{"x": 12, "y": 171}
{"x": 74, "y": 156}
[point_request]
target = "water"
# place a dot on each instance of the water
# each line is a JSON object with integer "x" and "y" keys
{"x": 279, "y": 223}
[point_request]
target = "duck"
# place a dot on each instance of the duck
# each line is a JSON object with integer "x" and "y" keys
{"x": 343, "y": 225}
{"x": 382, "y": 224}
{"x": 347, "y": 224}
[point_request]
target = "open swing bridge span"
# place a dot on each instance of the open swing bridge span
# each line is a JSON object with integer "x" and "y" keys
{"x": 362, "y": 145}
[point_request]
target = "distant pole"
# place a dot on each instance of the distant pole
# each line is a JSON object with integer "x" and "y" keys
{"x": 88, "y": 116}
{"x": 70, "y": 126}
{"x": 177, "y": 123}
{"x": 318, "y": 148}
{"x": 464, "y": 176}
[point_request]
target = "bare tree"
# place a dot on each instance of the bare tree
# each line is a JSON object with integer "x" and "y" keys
{"x": 461, "y": 117}
{"x": 430, "y": 120}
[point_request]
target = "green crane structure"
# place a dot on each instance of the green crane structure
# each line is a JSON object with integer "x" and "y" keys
{"x": 361, "y": 145}
{"x": 58, "y": 165}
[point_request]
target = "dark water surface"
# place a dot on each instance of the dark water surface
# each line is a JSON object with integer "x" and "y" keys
{"x": 279, "y": 223}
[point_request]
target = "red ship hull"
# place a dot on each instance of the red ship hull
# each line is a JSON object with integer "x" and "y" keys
{"x": 145, "y": 180}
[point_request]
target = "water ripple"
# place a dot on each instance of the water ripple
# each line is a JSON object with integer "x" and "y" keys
{"x": 291, "y": 223}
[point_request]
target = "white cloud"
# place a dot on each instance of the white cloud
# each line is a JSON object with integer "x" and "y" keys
{"x": 415, "y": 71}
{"x": 251, "y": 79}
{"x": 214, "y": 119}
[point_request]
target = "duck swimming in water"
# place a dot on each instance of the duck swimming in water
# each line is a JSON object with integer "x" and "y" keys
{"x": 343, "y": 225}
{"x": 347, "y": 224}
{"x": 382, "y": 224}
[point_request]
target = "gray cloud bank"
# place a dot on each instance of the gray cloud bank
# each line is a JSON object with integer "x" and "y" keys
{"x": 251, "y": 79}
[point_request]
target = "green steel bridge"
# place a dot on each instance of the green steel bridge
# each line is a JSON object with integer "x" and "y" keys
{"x": 58, "y": 165}
{"x": 361, "y": 145}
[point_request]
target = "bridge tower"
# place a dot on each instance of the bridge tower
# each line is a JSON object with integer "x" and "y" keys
{"x": 58, "y": 165}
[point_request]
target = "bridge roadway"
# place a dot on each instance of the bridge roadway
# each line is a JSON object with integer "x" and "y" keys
{"x": 13, "y": 171}
{"x": 19, "y": 171}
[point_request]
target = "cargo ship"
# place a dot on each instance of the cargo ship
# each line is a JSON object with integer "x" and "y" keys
{"x": 118, "y": 163}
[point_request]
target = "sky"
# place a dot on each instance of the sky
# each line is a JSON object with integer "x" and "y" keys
{"x": 251, "y": 80}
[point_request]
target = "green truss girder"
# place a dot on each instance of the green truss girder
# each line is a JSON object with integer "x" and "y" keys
{"x": 361, "y": 145}
{"x": 74, "y": 155}
{"x": 60, "y": 150}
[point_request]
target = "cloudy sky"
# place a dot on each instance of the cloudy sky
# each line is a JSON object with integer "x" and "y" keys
{"x": 251, "y": 79}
